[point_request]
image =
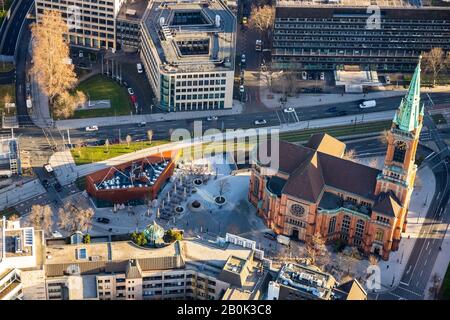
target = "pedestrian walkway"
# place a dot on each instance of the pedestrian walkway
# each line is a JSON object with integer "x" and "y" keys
{"x": 17, "y": 193}
{"x": 156, "y": 117}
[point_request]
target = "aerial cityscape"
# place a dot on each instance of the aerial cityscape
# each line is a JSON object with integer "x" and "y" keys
{"x": 224, "y": 150}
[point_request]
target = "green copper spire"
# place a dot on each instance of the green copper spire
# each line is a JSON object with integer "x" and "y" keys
{"x": 407, "y": 115}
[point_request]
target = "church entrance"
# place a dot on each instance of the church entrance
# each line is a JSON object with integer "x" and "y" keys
{"x": 295, "y": 233}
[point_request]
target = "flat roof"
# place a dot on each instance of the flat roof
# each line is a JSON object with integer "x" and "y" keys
{"x": 133, "y": 10}
{"x": 350, "y": 3}
{"x": 194, "y": 36}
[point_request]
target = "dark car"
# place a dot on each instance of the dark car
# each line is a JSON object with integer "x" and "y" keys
{"x": 270, "y": 236}
{"x": 58, "y": 187}
{"x": 103, "y": 220}
{"x": 342, "y": 113}
{"x": 331, "y": 110}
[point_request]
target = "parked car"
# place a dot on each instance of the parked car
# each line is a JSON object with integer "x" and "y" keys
{"x": 139, "y": 68}
{"x": 288, "y": 110}
{"x": 241, "y": 88}
{"x": 322, "y": 76}
{"x": 270, "y": 236}
{"x": 211, "y": 118}
{"x": 142, "y": 124}
{"x": 91, "y": 128}
{"x": 103, "y": 220}
{"x": 304, "y": 75}
{"x": 130, "y": 91}
{"x": 56, "y": 234}
{"x": 243, "y": 59}
{"x": 260, "y": 122}
{"x": 244, "y": 20}
{"x": 388, "y": 80}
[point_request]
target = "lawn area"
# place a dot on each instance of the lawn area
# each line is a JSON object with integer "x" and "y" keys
{"x": 438, "y": 119}
{"x": 101, "y": 88}
{"x": 445, "y": 289}
{"x": 92, "y": 154}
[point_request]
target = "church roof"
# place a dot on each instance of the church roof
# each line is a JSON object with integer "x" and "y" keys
{"x": 310, "y": 170}
{"x": 350, "y": 290}
{"x": 326, "y": 144}
{"x": 387, "y": 203}
{"x": 407, "y": 116}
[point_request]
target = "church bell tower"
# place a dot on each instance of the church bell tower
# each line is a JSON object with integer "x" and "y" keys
{"x": 399, "y": 169}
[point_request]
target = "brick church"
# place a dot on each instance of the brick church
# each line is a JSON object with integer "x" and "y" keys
{"x": 316, "y": 190}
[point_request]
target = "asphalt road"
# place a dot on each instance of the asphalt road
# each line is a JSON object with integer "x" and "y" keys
{"x": 427, "y": 247}
{"x": 11, "y": 31}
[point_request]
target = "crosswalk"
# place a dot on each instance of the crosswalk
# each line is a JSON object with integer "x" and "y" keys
{"x": 287, "y": 117}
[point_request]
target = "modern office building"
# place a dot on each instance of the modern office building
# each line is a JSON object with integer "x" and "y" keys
{"x": 92, "y": 24}
{"x": 326, "y": 35}
{"x": 315, "y": 190}
{"x": 129, "y": 24}
{"x": 307, "y": 282}
{"x": 188, "y": 50}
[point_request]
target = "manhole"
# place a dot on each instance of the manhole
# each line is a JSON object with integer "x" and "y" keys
{"x": 196, "y": 204}
{"x": 179, "y": 209}
{"x": 198, "y": 182}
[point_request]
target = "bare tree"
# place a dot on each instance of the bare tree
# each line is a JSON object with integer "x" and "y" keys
{"x": 128, "y": 139}
{"x": 52, "y": 67}
{"x": 41, "y": 218}
{"x": 435, "y": 61}
{"x": 373, "y": 261}
{"x": 66, "y": 104}
{"x": 224, "y": 186}
{"x": 383, "y": 138}
{"x": 373, "y": 163}
{"x": 7, "y": 99}
{"x": 263, "y": 19}
{"x": 13, "y": 217}
{"x": 350, "y": 155}
{"x": 317, "y": 251}
{"x": 150, "y": 135}
{"x": 72, "y": 218}
{"x": 435, "y": 287}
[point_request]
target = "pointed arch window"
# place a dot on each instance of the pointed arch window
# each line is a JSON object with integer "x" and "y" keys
{"x": 399, "y": 151}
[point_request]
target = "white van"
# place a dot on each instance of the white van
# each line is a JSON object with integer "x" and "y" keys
{"x": 368, "y": 104}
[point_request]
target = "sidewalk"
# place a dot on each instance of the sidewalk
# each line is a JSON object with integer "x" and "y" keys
{"x": 440, "y": 265}
{"x": 121, "y": 120}
{"x": 393, "y": 269}
{"x": 13, "y": 194}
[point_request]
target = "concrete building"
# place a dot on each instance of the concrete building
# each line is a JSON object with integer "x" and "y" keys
{"x": 377, "y": 35}
{"x": 9, "y": 157}
{"x": 92, "y": 24}
{"x": 306, "y": 282}
{"x": 188, "y": 50}
{"x": 316, "y": 190}
{"x": 187, "y": 269}
{"x": 129, "y": 25}
{"x": 21, "y": 251}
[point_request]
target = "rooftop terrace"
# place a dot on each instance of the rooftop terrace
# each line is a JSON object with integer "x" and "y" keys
{"x": 193, "y": 36}
{"x": 350, "y": 3}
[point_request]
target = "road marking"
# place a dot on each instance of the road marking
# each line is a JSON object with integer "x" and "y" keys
{"x": 421, "y": 273}
{"x": 404, "y": 283}
{"x": 428, "y": 243}
{"x": 426, "y": 260}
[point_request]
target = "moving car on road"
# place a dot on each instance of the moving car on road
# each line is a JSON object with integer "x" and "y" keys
{"x": 211, "y": 118}
{"x": 241, "y": 88}
{"x": 139, "y": 68}
{"x": 142, "y": 124}
{"x": 368, "y": 104}
{"x": 331, "y": 110}
{"x": 258, "y": 45}
{"x": 289, "y": 110}
{"x": 260, "y": 122}
{"x": 243, "y": 59}
{"x": 322, "y": 76}
{"x": 91, "y": 128}
{"x": 130, "y": 91}
{"x": 244, "y": 20}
